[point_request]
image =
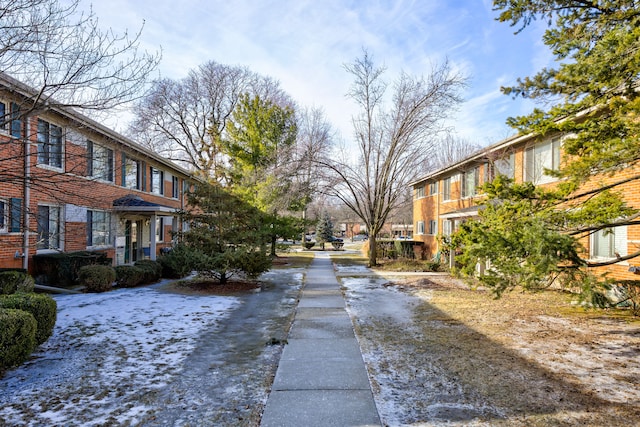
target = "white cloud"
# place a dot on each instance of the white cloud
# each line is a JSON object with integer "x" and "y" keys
{"x": 304, "y": 45}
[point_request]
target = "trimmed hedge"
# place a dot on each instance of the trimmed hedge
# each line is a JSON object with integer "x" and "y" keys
{"x": 15, "y": 281}
{"x": 128, "y": 276}
{"x": 17, "y": 337}
{"x": 97, "y": 278}
{"x": 41, "y": 306}
{"x": 63, "y": 269}
{"x": 152, "y": 270}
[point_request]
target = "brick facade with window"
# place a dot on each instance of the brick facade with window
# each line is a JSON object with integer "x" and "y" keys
{"x": 522, "y": 158}
{"x": 68, "y": 184}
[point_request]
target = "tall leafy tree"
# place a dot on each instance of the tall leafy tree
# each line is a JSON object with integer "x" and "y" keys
{"x": 593, "y": 93}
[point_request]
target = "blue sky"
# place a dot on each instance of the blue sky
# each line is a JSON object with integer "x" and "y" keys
{"x": 305, "y": 43}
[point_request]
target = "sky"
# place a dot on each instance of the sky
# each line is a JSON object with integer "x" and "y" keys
{"x": 305, "y": 44}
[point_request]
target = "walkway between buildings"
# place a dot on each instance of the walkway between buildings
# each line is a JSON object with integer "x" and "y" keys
{"x": 321, "y": 379}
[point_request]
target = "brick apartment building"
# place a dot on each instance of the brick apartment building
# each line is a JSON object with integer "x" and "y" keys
{"x": 449, "y": 196}
{"x": 68, "y": 183}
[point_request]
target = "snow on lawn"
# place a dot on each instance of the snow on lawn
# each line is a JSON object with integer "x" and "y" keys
{"x": 108, "y": 351}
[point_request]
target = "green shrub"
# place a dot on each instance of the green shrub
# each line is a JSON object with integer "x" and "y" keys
{"x": 42, "y": 307}
{"x": 309, "y": 245}
{"x": 177, "y": 263}
{"x": 97, "y": 278}
{"x": 63, "y": 269}
{"x": 17, "y": 337}
{"x": 255, "y": 263}
{"x": 128, "y": 276}
{"x": 15, "y": 281}
{"x": 152, "y": 270}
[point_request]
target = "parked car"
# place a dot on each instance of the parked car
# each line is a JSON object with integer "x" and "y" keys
{"x": 360, "y": 237}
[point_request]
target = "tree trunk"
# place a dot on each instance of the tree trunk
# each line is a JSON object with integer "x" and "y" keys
{"x": 273, "y": 246}
{"x": 373, "y": 251}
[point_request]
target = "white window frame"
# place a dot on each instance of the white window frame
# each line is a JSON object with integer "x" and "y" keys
{"x": 446, "y": 189}
{"x": 99, "y": 224}
{"x": 132, "y": 178}
{"x": 46, "y": 156}
{"x": 433, "y": 188}
{"x": 540, "y": 157}
{"x": 469, "y": 182}
{"x": 505, "y": 166}
{"x": 447, "y": 227}
{"x": 58, "y": 234}
{"x": 157, "y": 181}
{"x": 420, "y": 227}
{"x": 101, "y": 162}
{"x": 420, "y": 192}
{"x": 606, "y": 243}
{"x": 433, "y": 227}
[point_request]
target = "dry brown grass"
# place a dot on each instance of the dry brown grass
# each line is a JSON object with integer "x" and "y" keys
{"x": 538, "y": 357}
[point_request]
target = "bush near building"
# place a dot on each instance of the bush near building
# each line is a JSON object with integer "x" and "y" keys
{"x": 97, "y": 278}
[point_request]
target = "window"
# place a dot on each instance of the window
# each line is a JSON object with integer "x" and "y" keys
{"x": 49, "y": 225}
{"x": 4, "y": 216}
{"x": 420, "y": 227}
{"x": 433, "y": 227}
{"x": 49, "y": 144}
{"x": 433, "y": 188}
{"x": 157, "y": 181}
{"x": 4, "y": 119}
{"x": 470, "y": 182}
{"x": 446, "y": 227}
{"x": 159, "y": 229}
{"x": 609, "y": 243}
{"x": 446, "y": 189}
{"x": 98, "y": 228}
{"x": 10, "y": 215}
{"x": 541, "y": 157}
{"x": 16, "y": 121}
{"x": 130, "y": 173}
{"x": 505, "y": 166}
{"x": 420, "y": 192}
{"x": 175, "y": 187}
{"x": 100, "y": 162}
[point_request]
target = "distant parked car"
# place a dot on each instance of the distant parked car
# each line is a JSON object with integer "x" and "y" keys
{"x": 360, "y": 237}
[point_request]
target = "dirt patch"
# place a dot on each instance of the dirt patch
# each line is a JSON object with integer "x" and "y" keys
{"x": 469, "y": 359}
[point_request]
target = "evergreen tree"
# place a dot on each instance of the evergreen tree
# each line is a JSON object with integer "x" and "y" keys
{"x": 226, "y": 235}
{"x": 531, "y": 236}
{"x": 260, "y": 143}
{"x": 324, "y": 230}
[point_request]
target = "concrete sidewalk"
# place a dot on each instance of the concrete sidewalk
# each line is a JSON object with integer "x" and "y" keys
{"x": 321, "y": 379}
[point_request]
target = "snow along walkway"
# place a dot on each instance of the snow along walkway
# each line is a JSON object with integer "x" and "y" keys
{"x": 321, "y": 378}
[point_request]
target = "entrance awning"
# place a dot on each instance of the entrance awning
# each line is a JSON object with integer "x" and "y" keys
{"x": 132, "y": 203}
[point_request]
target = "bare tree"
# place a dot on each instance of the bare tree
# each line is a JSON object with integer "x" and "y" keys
{"x": 450, "y": 149}
{"x": 392, "y": 144}
{"x": 185, "y": 120}
{"x": 64, "y": 54}
{"x": 315, "y": 136}
{"x": 53, "y": 57}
